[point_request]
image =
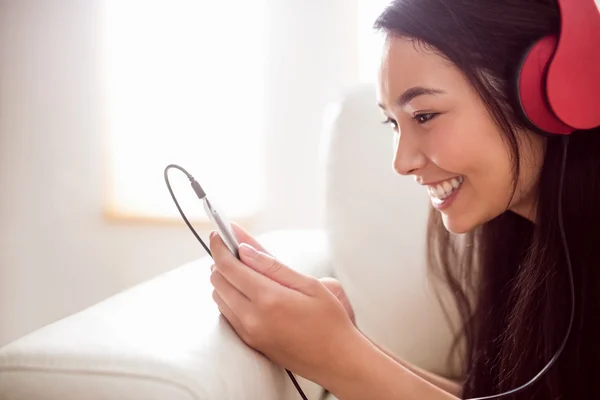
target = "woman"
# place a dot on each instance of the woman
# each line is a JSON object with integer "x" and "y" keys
{"x": 493, "y": 231}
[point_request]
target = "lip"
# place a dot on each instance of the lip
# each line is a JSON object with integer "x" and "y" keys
{"x": 432, "y": 183}
{"x": 447, "y": 202}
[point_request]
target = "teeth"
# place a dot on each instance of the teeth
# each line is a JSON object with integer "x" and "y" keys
{"x": 445, "y": 189}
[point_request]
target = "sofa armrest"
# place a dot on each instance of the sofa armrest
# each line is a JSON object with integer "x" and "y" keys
{"x": 163, "y": 339}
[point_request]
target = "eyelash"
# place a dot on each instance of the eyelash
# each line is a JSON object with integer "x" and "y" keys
{"x": 389, "y": 121}
{"x": 428, "y": 117}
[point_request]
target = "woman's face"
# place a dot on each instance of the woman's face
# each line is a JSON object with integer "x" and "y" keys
{"x": 449, "y": 142}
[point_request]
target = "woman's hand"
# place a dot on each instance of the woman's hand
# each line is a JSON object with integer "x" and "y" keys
{"x": 291, "y": 318}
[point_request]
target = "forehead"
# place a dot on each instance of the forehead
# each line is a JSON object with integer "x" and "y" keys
{"x": 406, "y": 63}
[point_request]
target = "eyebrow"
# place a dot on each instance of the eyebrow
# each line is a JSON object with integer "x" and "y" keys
{"x": 413, "y": 92}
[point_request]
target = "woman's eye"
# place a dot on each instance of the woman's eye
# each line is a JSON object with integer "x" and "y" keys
{"x": 389, "y": 121}
{"x": 422, "y": 118}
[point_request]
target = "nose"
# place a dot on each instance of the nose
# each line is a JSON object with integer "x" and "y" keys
{"x": 408, "y": 158}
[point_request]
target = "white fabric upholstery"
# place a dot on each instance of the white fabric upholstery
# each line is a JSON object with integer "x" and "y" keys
{"x": 164, "y": 339}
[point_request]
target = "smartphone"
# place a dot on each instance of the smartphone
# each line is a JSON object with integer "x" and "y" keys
{"x": 222, "y": 225}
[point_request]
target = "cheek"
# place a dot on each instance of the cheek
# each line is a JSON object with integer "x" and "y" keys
{"x": 492, "y": 178}
{"x": 457, "y": 143}
{"x": 485, "y": 194}
{"x": 495, "y": 181}
{"x": 531, "y": 160}
{"x": 482, "y": 157}
{"x": 458, "y": 151}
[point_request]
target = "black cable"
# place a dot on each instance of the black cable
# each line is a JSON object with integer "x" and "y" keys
{"x": 298, "y": 388}
{"x": 572, "y": 283}
{"x": 200, "y": 194}
{"x": 191, "y": 178}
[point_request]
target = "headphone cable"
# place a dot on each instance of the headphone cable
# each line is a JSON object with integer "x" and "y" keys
{"x": 571, "y": 282}
{"x": 195, "y": 185}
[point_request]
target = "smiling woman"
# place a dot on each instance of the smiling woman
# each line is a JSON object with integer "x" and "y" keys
{"x": 496, "y": 233}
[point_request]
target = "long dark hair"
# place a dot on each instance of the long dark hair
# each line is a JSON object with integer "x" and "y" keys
{"x": 509, "y": 276}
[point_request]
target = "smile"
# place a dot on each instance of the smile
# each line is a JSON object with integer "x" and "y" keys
{"x": 443, "y": 190}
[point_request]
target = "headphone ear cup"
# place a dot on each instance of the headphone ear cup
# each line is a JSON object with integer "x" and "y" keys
{"x": 531, "y": 82}
{"x": 573, "y": 84}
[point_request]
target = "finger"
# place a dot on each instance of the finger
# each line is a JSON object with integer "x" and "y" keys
{"x": 235, "y": 300}
{"x": 228, "y": 313}
{"x": 272, "y": 268}
{"x": 243, "y": 236}
{"x": 244, "y": 279}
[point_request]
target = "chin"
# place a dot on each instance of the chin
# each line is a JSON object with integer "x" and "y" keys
{"x": 456, "y": 224}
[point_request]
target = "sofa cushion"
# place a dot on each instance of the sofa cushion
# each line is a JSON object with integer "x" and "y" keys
{"x": 163, "y": 339}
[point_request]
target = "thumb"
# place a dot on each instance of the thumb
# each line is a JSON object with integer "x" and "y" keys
{"x": 272, "y": 268}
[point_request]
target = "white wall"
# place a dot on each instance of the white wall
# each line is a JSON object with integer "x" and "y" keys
{"x": 58, "y": 254}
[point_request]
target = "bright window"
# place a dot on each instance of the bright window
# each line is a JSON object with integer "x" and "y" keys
{"x": 184, "y": 84}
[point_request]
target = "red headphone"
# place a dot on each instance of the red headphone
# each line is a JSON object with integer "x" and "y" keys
{"x": 559, "y": 80}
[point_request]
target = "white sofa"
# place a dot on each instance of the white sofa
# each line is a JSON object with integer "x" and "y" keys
{"x": 164, "y": 339}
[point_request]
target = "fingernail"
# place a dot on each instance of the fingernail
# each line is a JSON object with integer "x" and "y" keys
{"x": 212, "y": 234}
{"x": 248, "y": 250}
{"x": 212, "y": 268}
